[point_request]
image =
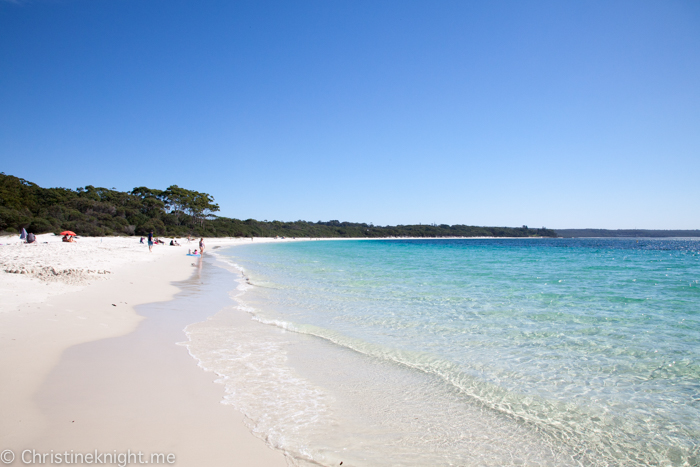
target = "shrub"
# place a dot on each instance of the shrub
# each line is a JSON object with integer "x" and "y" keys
{"x": 39, "y": 226}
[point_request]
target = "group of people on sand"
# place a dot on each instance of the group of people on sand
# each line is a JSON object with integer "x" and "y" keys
{"x": 152, "y": 240}
{"x": 31, "y": 238}
{"x": 201, "y": 248}
{"x": 173, "y": 242}
{"x": 27, "y": 237}
{"x": 196, "y": 252}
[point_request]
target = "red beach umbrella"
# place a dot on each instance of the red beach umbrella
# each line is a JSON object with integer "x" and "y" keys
{"x": 67, "y": 232}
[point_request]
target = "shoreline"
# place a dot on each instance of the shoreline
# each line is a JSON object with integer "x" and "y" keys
{"x": 345, "y": 357}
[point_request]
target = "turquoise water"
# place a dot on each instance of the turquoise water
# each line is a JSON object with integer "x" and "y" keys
{"x": 466, "y": 352}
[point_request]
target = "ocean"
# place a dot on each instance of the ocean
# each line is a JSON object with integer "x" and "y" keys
{"x": 488, "y": 352}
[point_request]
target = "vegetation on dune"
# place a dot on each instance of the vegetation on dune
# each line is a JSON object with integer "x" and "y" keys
{"x": 176, "y": 211}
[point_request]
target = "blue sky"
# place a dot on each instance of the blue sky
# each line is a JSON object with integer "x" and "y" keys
{"x": 557, "y": 114}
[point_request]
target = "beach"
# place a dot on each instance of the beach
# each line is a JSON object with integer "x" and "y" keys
{"x": 63, "y": 392}
{"x": 409, "y": 352}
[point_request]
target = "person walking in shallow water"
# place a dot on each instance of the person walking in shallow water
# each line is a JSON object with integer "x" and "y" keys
{"x": 201, "y": 246}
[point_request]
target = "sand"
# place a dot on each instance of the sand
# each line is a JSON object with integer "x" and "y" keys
{"x": 80, "y": 371}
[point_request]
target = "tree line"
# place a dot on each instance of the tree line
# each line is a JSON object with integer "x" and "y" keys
{"x": 626, "y": 233}
{"x": 177, "y": 212}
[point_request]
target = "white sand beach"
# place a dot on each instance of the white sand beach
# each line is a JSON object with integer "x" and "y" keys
{"x": 55, "y": 296}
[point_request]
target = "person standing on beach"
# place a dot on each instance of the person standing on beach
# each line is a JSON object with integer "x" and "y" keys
{"x": 150, "y": 241}
{"x": 201, "y": 246}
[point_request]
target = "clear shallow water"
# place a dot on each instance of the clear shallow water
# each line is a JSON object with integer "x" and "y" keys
{"x": 465, "y": 352}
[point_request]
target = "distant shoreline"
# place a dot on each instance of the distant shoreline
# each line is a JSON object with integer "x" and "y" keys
{"x": 628, "y": 233}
